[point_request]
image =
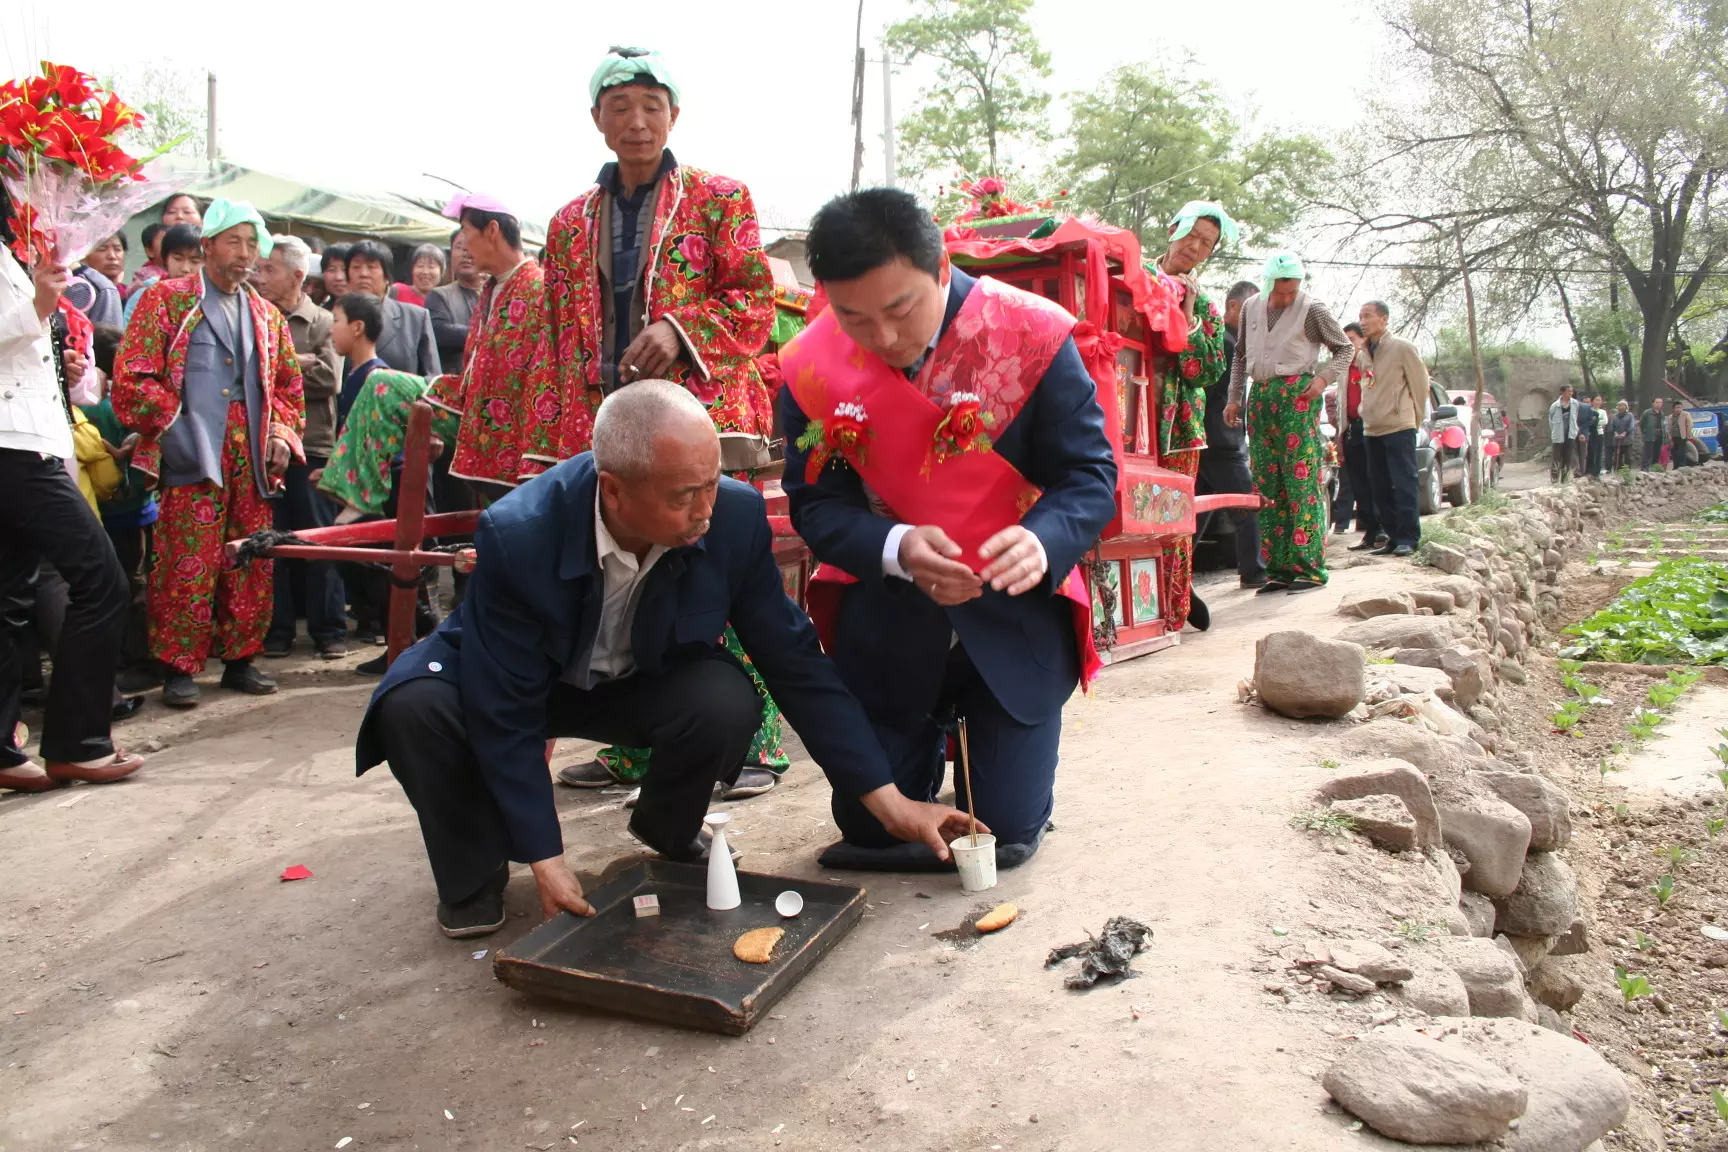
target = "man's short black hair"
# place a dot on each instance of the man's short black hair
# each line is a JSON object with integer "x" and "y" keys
{"x": 508, "y": 227}
{"x": 1356, "y": 328}
{"x": 1380, "y": 307}
{"x": 169, "y": 203}
{"x": 364, "y": 308}
{"x": 370, "y": 249}
{"x": 180, "y": 238}
{"x": 1241, "y": 290}
{"x": 148, "y": 237}
{"x": 862, "y": 230}
{"x": 334, "y": 254}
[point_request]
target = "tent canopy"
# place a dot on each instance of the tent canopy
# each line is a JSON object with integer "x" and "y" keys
{"x": 303, "y": 210}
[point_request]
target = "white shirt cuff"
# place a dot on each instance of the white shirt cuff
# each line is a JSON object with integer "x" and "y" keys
{"x": 891, "y": 552}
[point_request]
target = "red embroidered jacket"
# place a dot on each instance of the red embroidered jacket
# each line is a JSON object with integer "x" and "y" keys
{"x": 150, "y": 368}
{"x": 705, "y": 272}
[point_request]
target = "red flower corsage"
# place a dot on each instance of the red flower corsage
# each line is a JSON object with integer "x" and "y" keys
{"x": 844, "y": 434}
{"x": 964, "y": 427}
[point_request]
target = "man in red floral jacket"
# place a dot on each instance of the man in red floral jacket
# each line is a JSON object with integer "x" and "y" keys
{"x": 207, "y": 377}
{"x": 656, "y": 272}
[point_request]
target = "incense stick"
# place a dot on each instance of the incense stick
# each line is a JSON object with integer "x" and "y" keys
{"x": 966, "y": 770}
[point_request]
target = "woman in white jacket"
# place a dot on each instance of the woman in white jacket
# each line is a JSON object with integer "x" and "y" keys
{"x": 44, "y": 517}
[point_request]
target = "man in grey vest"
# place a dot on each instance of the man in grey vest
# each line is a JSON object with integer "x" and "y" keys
{"x": 208, "y": 378}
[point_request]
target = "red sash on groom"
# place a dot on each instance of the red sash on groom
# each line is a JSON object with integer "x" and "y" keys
{"x": 924, "y": 446}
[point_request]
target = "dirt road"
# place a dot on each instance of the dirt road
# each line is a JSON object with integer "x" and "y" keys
{"x": 163, "y": 990}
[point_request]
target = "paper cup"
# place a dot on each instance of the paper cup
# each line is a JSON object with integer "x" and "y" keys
{"x": 975, "y": 856}
{"x": 788, "y": 904}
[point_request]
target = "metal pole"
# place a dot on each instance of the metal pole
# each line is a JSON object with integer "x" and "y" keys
{"x": 858, "y": 101}
{"x": 888, "y": 114}
{"x": 210, "y": 125}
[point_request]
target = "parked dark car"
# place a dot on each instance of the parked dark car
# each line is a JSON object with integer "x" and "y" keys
{"x": 1442, "y": 473}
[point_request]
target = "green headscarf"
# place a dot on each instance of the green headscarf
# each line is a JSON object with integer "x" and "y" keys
{"x": 1281, "y": 266}
{"x": 225, "y": 214}
{"x": 1183, "y": 222}
{"x": 623, "y": 65}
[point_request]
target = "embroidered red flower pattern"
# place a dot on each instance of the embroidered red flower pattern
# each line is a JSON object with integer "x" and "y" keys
{"x": 964, "y": 427}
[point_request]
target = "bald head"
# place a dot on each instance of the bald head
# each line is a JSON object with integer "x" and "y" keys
{"x": 659, "y": 462}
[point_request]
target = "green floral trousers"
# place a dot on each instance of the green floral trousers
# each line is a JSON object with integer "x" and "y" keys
{"x": 1284, "y": 439}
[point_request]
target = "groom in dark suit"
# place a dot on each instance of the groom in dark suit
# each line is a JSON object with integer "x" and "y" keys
{"x": 954, "y": 599}
{"x": 596, "y": 610}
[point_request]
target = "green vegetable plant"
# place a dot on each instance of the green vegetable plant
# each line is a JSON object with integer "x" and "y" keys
{"x": 1663, "y": 890}
{"x": 1565, "y": 718}
{"x": 1642, "y": 942}
{"x": 1714, "y": 825}
{"x": 1678, "y": 614}
{"x": 1632, "y": 986}
{"x": 1721, "y": 1101}
{"x": 1677, "y": 855}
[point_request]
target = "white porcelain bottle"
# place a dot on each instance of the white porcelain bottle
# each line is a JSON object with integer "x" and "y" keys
{"x": 722, "y": 876}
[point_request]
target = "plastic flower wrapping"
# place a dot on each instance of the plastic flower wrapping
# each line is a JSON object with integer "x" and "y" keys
{"x": 71, "y": 183}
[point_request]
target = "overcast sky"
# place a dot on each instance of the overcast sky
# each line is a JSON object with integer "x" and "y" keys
{"x": 372, "y": 96}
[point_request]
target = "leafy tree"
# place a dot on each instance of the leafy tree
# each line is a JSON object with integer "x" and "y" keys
{"x": 986, "y": 96}
{"x": 1551, "y": 135}
{"x": 172, "y": 101}
{"x": 1146, "y": 141}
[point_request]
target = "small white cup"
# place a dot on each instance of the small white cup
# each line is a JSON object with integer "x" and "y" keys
{"x": 788, "y": 904}
{"x": 975, "y": 856}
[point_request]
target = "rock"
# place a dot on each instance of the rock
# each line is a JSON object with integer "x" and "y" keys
{"x": 1530, "y": 950}
{"x": 1299, "y": 675}
{"x": 1383, "y": 604}
{"x": 1365, "y": 958}
{"x": 1411, "y": 680}
{"x": 1461, "y": 589}
{"x": 1574, "y": 942}
{"x": 1492, "y": 834}
{"x": 1400, "y": 632}
{"x": 1448, "y": 560}
{"x": 1388, "y": 777}
{"x": 1433, "y": 988}
{"x": 1547, "y": 806}
{"x": 1554, "y": 1022}
{"x": 1451, "y": 879}
{"x": 1442, "y": 758}
{"x": 1437, "y": 600}
{"x": 1545, "y": 902}
{"x": 1575, "y": 1096}
{"x": 1484, "y": 718}
{"x": 1479, "y": 911}
{"x": 1510, "y": 670}
{"x": 1383, "y": 819}
{"x": 1346, "y": 981}
{"x": 1423, "y": 1091}
{"x": 1553, "y": 983}
{"x": 1490, "y": 976}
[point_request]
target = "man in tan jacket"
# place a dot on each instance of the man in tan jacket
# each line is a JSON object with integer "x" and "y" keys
{"x": 1394, "y": 403}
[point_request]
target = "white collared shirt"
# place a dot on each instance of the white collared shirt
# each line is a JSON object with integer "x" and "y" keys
{"x": 623, "y": 575}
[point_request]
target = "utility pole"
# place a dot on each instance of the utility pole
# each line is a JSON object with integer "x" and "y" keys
{"x": 858, "y": 101}
{"x": 1473, "y": 449}
{"x": 210, "y": 124}
{"x": 888, "y": 115}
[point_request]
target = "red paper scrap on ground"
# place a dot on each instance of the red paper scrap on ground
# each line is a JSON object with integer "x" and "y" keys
{"x": 297, "y": 872}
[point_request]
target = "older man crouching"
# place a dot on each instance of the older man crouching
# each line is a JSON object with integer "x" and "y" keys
{"x": 597, "y": 609}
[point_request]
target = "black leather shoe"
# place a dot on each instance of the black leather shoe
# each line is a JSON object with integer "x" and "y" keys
{"x": 1383, "y": 550}
{"x": 1253, "y": 582}
{"x": 276, "y": 647}
{"x": 240, "y": 676}
{"x": 376, "y": 666}
{"x": 179, "y": 690}
{"x": 1366, "y": 545}
{"x": 1304, "y": 586}
{"x": 127, "y": 707}
{"x": 331, "y": 649}
{"x": 478, "y": 915}
{"x": 1273, "y": 586}
{"x": 1402, "y": 550}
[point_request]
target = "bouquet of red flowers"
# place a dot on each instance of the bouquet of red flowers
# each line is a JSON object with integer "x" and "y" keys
{"x": 72, "y": 184}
